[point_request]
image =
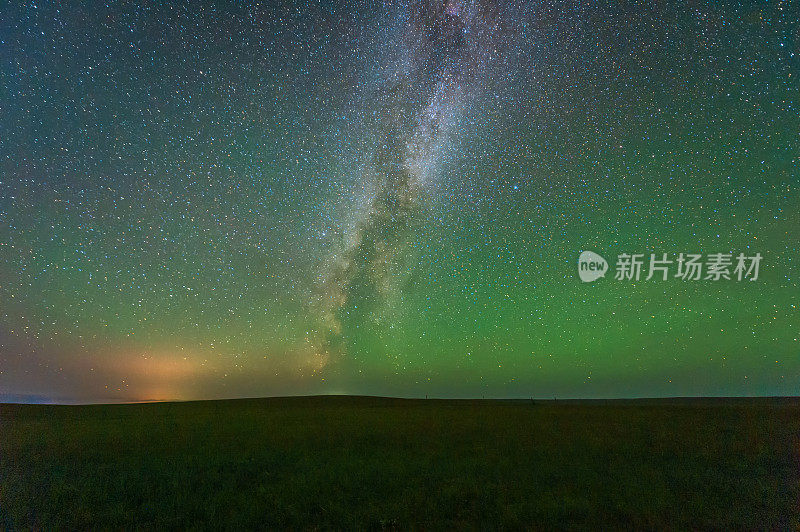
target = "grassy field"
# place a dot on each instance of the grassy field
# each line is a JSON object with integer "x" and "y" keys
{"x": 350, "y": 462}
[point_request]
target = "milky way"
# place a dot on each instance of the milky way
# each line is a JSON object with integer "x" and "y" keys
{"x": 445, "y": 51}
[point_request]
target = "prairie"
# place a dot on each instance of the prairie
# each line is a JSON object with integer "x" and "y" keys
{"x": 339, "y": 462}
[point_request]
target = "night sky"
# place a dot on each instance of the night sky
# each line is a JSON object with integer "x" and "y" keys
{"x": 390, "y": 198}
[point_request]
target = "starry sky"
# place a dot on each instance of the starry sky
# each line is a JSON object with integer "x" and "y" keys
{"x": 204, "y": 200}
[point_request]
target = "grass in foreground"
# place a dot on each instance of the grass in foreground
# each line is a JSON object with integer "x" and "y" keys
{"x": 349, "y": 462}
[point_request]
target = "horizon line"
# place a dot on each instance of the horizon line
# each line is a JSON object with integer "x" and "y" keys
{"x": 554, "y": 399}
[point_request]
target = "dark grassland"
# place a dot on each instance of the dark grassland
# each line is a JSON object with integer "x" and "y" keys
{"x": 360, "y": 462}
